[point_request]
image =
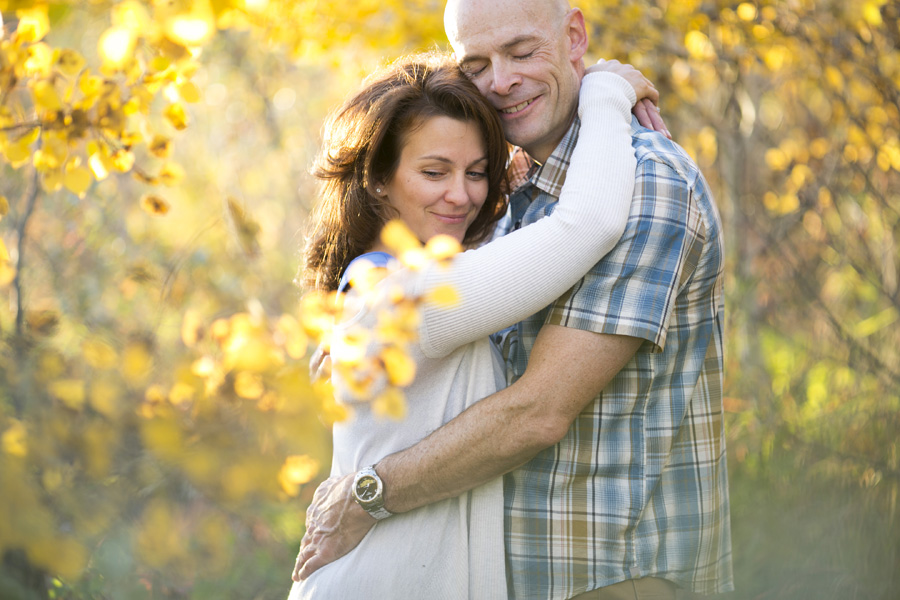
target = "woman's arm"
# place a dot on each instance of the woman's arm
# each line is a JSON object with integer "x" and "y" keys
{"x": 513, "y": 277}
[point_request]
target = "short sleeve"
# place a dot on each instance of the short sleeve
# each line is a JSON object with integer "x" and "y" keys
{"x": 633, "y": 290}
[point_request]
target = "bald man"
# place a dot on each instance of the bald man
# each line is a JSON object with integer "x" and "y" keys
{"x": 611, "y": 441}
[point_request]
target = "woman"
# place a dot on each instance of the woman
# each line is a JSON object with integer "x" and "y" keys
{"x": 420, "y": 143}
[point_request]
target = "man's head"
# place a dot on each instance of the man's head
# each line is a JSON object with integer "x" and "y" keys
{"x": 525, "y": 56}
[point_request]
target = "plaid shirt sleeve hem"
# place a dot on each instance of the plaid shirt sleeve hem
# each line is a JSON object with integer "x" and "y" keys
{"x": 632, "y": 290}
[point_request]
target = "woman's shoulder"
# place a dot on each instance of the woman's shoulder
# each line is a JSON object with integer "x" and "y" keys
{"x": 369, "y": 260}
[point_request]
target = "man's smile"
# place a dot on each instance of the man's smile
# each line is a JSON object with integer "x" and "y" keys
{"x": 518, "y": 107}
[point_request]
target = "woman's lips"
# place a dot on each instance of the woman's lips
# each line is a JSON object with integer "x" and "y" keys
{"x": 450, "y": 219}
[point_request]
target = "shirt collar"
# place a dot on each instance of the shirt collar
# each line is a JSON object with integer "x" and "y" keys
{"x": 550, "y": 176}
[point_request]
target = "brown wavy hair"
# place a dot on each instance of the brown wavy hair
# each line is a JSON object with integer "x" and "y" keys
{"x": 362, "y": 145}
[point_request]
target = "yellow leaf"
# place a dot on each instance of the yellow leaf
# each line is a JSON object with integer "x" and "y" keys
{"x": 122, "y": 160}
{"x": 77, "y": 180}
{"x": 698, "y": 45}
{"x": 176, "y": 116}
{"x": 248, "y": 385}
{"x": 42, "y": 322}
{"x": 100, "y": 164}
{"x": 415, "y": 258}
{"x": 98, "y": 354}
{"x": 154, "y": 205}
{"x": 189, "y": 92}
{"x": 105, "y": 396}
{"x": 746, "y": 11}
{"x": 7, "y": 271}
{"x": 171, "y": 174}
{"x": 34, "y": 23}
{"x": 443, "y": 247}
{"x": 136, "y": 362}
{"x": 4, "y": 206}
{"x": 155, "y": 394}
{"x": 70, "y": 62}
{"x": 14, "y": 439}
{"x": 191, "y": 328}
{"x": 116, "y": 47}
{"x": 220, "y": 330}
{"x": 69, "y": 391}
{"x": 392, "y": 403}
{"x": 61, "y": 556}
{"x": 776, "y": 57}
{"x": 834, "y": 78}
{"x": 291, "y": 336}
{"x": 444, "y": 295}
{"x": 296, "y": 471}
{"x": 158, "y": 541}
{"x": 400, "y": 367}
{"x": 204, "y": 366}
{"x": 776, "y": 159}
{"x": 90, "y": 85}
{"x": 131, "y": 15}
{"x": 160, "y": 146}
{"x": 192, "y": 29}
{"x": 398, "y": 237}
{"x": 181, "y": 394}
{"x": 872, "y": 13}
{"x": 46, "y": 97}
{"x": 876, "y": 323}
{"x": 40, "y": 60}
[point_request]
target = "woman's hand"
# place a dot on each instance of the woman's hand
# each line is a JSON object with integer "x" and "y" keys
{"x": 646, "y": 109}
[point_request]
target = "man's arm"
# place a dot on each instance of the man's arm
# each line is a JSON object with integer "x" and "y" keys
{"x": 566, "y": 370}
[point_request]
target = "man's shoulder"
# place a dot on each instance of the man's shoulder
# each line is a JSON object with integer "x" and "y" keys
{"x": 654, "y": 150}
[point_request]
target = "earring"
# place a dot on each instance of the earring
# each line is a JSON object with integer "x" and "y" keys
{"x": 377, "y": 190}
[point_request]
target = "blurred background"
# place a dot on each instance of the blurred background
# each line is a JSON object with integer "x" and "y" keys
{"x": 160, "y": 438}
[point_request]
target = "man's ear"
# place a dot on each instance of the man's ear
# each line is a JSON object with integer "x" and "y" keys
{"x": 577, "y": 34}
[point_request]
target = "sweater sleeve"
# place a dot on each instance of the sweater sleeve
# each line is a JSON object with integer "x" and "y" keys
{"x": 515, "y": 276}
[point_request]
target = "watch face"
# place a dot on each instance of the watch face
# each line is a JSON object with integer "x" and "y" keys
{"x": 366, "y": 488}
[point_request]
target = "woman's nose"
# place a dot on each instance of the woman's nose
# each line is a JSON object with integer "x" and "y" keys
{"x": 457, "y": 192}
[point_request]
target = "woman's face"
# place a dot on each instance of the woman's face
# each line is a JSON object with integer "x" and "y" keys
{"x": 441, "y": 179}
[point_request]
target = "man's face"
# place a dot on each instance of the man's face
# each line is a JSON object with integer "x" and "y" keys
{"x": 525, "y": 57}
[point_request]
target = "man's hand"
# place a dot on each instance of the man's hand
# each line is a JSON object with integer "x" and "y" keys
{"x": 335, "y": 525}
{"x": 646, "y": 109}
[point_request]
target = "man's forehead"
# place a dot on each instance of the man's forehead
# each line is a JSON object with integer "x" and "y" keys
{"x": 493, "y": 19}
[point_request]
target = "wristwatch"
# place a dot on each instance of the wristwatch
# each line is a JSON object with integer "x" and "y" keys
{"x": 368, "y": 491}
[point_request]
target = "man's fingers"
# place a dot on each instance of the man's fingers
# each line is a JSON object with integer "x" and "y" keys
{"x": 311, "y": 565}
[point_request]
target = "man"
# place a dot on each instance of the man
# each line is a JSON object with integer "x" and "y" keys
{"x": 612, "y": 439}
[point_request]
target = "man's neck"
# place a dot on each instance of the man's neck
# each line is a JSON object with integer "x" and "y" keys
{"x": 541, "y": 152}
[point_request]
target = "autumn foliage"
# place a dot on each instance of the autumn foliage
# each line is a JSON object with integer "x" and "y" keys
{"x": 160, "y": 435}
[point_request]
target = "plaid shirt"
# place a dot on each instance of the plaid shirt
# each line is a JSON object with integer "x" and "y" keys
{"x": 638, "y": 486}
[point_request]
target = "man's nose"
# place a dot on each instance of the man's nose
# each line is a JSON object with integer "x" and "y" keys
{"x": 504, "y": 78}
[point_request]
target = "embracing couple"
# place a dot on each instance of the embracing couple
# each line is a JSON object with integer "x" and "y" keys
{"x": 599, "y": 471}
